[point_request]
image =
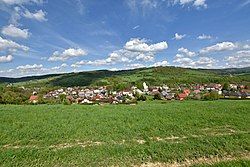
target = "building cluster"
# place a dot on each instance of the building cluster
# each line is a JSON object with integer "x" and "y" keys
{"x": 92, "y": 96}
{"x": 129, "y": 96}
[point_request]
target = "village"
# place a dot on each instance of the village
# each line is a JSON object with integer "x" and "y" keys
{"x": 101, "y": 95}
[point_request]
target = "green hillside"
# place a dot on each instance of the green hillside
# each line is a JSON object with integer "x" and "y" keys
{"x": 153, "y": 76}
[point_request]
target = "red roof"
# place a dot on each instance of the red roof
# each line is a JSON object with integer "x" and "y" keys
{"x": 182, "y": 95}
{"x": 33, "y": 97}
{"x": 186, "y": 91}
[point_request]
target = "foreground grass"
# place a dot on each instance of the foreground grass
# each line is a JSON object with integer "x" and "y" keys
{"x": 156, "y": 132}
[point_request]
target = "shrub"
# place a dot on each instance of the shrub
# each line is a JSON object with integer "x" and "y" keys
{"x": 142, "y": 98}
{"x": 211, "y": 96}
{"x": 157, "y": 96}
{"x": 66, "y": 102}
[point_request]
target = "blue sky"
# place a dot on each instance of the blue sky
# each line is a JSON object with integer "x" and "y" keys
{"x": 53, "y": 36}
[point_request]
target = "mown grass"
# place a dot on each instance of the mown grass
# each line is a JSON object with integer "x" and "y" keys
{"x": 57, "y": 135}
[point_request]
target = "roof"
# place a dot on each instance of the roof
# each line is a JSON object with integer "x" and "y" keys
{"x": 33, "y": 97}
{"x": 182, "y": 95}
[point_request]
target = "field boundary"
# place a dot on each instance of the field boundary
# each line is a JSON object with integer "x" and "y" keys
{"x": 199, "y": 161}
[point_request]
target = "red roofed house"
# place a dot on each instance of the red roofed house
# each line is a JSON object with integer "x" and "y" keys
{"x": 186, "y": 91}
{"x": 33, "y": 99}
{"x": 182, "y": 96}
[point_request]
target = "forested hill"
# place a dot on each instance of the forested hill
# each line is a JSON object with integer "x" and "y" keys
{"x": 153, "y": 76}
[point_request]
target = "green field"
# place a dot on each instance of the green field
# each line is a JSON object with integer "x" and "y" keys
{"x": 156, "y": 133}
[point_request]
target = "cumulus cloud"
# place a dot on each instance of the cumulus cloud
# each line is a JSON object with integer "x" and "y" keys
{"x": 64, "y": 65}
{"x": 201, "y": 62}
{"x": 30, "y": 68}
{"x": 4, "y": 59}
{"x": 137, "y": 49}
{"x": 135, "y": 65}
{"x": 161, "y": 63}
{"x": 140, "y": 45}
{"x": 179, "y": 36}
{"x": 15, "y": 32}
{"x": 196, "y": 3}
{"x": 186, "y": 52}
{"x": 20, "y": 2}
{"x": 67, "y": 54}
{"x": 190, "y": 59}
{"x": 26, "y": 70}
{"x": 205, "y": 62}
{"x": 203, "y": 37}
{"x": 223, "y": 46}
{"x": 183, "y": 61}
{"x": 134, "y": 50}
{"x": 38, "y": 15}
{"x": 11, "y": 45}
{"x": 246, "y": 46}
{"x": 239, "y": 59}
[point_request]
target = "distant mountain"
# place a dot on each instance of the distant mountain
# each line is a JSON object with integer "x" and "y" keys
{"x": 153, "y": 76}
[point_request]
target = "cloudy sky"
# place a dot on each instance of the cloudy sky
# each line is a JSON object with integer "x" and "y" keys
{"x": 53, "y": 36}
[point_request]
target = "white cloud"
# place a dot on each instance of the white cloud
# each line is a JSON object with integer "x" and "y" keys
{"x": 64, "y": 65}
{"x": 13, "y": 31}
{"x": 201, "y": 62}
{"x": 239, "y": 59}
{"x": 4, "y": 59}
{"x": 184, "y": 61}
{"x": 219, "y": 47}
{"x": 187, "y": 52}
{"x": 244, "y": 4}
{"x": 11, "y": 46}
{"x": 135, "y": 65}
{"x": 246, "y": 46}
{"x": 20, "y": 2}
{"x": 179, "y": 36}
{"x": 144, "y": 5}
{"x": 15, "y": 15}
{"x": 114, "y": 69}
{"x": 203, "y": 36}
{"x": 205, "y": 62}
{"x": 38, "y": 15}
{"x": 161, "y": 63}
{"x": 196, "y": 3}
{"x": 140, "y": 45}
{"x": 137, "y": 50}
{"x": 136, "y": 27}
{"x": 134, "y": 50}
{"x": 200, "y": 3}
{"x": 28, "y": 67}
{"x": 67, "y": 54}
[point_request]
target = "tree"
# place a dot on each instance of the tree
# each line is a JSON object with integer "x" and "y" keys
{"x": 62, "y": 98}
{"x": 141, "y": 98}
{"x": 226, "y": 86}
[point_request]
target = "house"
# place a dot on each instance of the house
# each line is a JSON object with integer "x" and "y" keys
{"x": 182, "y": 96}
{"x": 245, "y": 95}
{"x": 186, "y": 91}
{"x": 33, "y": 99}
{"x": 197, "y": 91}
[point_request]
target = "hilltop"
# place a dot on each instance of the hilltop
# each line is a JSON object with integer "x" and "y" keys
{"x": 153, "y": 76}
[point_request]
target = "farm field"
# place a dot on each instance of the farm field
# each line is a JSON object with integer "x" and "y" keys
{"x": 152, "y": 133}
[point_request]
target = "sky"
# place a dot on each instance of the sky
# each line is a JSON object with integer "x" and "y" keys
{"x": 40, "y": 37}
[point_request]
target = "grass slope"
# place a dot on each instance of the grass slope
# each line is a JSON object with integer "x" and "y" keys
{"x": 153, "y": 76}
{"x": 157, "y": 132}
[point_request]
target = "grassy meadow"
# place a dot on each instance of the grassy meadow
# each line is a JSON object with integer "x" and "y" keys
{"x": 151, "y": 133}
